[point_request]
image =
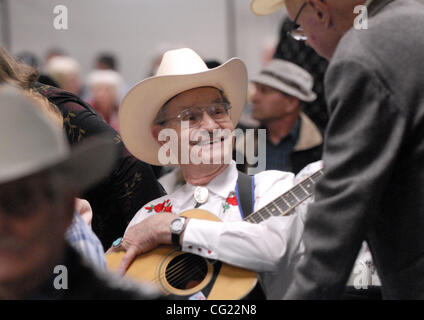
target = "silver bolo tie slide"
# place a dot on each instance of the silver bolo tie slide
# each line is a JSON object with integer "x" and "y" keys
{"x": 201, "y": 195}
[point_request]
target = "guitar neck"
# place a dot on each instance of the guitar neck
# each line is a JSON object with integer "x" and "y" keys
{"x": 285, "y": 203}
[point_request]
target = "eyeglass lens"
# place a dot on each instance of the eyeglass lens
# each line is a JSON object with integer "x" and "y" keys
{"x": 194, "y": 115}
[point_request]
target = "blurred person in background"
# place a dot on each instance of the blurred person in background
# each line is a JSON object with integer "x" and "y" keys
{"x": 292, "y": 139}
{"x": 31, "y": 60}
{"x": 65, "y": 71}
{"x": 130, "y": 184}
{"x": 79, "y": 235}
{"x": 28, "y": 58}
{"x": 40, "y": 176}
{"x": 106, "y": 61}
{"x": 52, "y": 53}
{"x": 105, "y": 88}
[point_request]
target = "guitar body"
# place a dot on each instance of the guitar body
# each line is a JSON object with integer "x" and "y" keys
{"x": 187, "y": 275}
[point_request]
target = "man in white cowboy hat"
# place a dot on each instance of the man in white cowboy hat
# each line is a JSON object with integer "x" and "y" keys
{"x": 184, "y": 89}
{"x": 373, "y": 182}
{"x": 292, "y": 139}
{"x": 39, "y": 178}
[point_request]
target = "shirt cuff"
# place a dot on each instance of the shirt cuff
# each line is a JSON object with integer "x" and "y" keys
{"x": 201, "y": 237}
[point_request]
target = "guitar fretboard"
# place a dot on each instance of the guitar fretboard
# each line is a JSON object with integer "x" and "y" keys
{"x": 285, "y": 203}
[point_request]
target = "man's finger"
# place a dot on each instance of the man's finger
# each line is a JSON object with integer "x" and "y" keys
{"x": 127, "y": 259}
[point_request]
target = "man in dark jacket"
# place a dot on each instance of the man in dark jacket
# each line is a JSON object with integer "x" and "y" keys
{"x": 292, "y": 139}
{"x": 373, "y": 184}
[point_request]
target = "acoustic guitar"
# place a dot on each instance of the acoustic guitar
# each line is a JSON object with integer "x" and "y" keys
{"x": 189, "y": 276}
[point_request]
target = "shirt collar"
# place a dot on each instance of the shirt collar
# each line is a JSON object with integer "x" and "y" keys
{"x": 223, "y": 184}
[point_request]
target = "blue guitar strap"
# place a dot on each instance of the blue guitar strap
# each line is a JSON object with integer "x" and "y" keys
{"x": 245, "y": 193}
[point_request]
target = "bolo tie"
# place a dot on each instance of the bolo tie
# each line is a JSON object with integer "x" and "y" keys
{"x": 201, "y": 195}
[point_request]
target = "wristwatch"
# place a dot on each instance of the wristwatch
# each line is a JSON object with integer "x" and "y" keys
{"x": 177, "y": 227}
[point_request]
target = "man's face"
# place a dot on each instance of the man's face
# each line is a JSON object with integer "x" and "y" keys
{"x": 105, "y": 98}
{"x": 32, "y": 228}
{"x": 207, "y": 124}
{"x": 317, "y": 24}
{"x": 271, "y": 104}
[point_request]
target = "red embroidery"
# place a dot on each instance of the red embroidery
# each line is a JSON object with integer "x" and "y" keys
{"x": 159, "y": 207}
{"x": 232, "y": 200}
{"x": 165, "y": 206}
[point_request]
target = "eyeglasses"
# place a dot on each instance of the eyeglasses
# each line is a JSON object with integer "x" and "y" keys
{"x": 297, "y": 32}
{"x": 194, "y": 115}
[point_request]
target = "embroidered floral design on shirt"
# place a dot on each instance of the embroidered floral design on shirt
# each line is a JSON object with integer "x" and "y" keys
{"x": 165, "y": 206}
{"x": 230, "y": 201}
{"x": 73, "y": 129}
{"x": 129, "y": 187}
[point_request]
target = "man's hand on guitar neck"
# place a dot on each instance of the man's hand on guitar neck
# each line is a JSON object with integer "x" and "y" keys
{"x": 143, "y": 237}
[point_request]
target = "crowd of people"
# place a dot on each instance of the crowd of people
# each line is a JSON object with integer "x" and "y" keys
{"x": 108, "y": 192}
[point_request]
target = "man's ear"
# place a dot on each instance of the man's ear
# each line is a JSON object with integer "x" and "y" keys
{"x": 293, "y": 105}
{"x": 322, "y": 11}
{"x": 155, "y": 132}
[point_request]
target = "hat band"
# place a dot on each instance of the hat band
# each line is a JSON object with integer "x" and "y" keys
{"x": 286, "y": 81}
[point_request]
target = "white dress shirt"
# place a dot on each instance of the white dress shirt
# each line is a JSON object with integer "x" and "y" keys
{"x": 271, "y": 248}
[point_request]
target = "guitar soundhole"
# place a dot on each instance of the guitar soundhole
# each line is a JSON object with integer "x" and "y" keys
{"x": 186, "y": 271}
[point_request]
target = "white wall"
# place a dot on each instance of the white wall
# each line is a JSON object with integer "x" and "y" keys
{"x": 135, "y": 29}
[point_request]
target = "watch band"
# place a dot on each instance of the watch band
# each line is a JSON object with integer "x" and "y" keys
{"x": 176, "y": 240}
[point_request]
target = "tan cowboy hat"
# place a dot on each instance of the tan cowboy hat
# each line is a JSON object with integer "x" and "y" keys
{"x": 266, "y": 7}
{"x": 180, "y": 70}
{"x": 288, "y": 78}
{"x": 31, "y": 143}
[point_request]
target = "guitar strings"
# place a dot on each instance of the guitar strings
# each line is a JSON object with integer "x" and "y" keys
{"x": 189, "y": 275}
{"x": 173, "y": 275}
{"x": 176, "y": 272}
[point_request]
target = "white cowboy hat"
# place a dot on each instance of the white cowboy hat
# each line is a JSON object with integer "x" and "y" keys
{"x": 31, "y": 143}
{"x": 180, "y": 70}
{"x": 266, "y": 7}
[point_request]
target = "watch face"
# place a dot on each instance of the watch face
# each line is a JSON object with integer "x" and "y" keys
{"x": 177, "y": 225}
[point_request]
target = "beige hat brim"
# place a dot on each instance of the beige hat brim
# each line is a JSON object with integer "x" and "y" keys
{"x": 276, "y": 84}
{"x": 266, "y": 7}
{"x": 33, "y": 144}
{"x": 142, "y": 103}
{"x": 89, "y": 162}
